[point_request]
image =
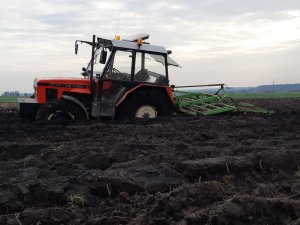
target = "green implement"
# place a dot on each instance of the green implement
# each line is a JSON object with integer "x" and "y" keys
{"x": 200, "y": 103}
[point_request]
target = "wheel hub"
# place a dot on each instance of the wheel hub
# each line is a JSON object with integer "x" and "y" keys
{"x": 146, "y": 112}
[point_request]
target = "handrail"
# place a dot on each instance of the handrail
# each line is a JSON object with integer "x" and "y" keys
{"x": 201, "y": 85}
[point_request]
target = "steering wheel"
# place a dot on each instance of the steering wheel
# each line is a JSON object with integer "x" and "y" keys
{"x": 114, "y": 70}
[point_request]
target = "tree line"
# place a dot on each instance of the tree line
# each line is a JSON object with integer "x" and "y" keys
{"x": 14, "y": 94}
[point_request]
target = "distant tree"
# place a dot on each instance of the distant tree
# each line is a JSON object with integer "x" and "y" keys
{"x": 11, "y": 94}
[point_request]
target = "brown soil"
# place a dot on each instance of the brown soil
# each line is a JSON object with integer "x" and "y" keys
{"x": 232, "y": 169}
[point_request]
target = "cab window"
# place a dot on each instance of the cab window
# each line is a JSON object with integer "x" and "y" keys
{"x": 120, "y": 66}
{"x": 150, "y": 68}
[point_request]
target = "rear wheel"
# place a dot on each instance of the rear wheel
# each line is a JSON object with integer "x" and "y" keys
{"x": 60, "y": 111}
{"x": 146, "y": 112}
{"x": 147, "y": 104}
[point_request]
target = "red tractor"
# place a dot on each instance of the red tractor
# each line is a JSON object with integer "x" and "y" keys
{"x": 133, "y": 83}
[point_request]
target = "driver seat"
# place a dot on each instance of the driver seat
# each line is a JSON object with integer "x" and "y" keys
{"x": 141, "y": 76}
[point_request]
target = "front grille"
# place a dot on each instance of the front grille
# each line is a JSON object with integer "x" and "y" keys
{"x": 51, "y": 94}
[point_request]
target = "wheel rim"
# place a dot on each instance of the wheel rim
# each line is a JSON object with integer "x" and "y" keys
{"x": 61, "y": 115}
{"x": 146, "y": 112}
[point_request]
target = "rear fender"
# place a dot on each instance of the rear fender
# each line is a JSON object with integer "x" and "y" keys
{"x": 168, "y": 91}
{"x": 77, "y": 102}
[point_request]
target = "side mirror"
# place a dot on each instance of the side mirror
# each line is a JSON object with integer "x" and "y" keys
{"x": 84, "y": 73}
{"x": 76, "y": 48}
{"x": 103, "y": 56}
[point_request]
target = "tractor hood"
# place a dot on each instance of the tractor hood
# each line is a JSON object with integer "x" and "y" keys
{"x": 62, "y": 82}
{"x": 50, "y": 88}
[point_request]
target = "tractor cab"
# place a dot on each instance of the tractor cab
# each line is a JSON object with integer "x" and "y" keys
{"x": 131, "y": 60}
{"x": 118, "y": 67}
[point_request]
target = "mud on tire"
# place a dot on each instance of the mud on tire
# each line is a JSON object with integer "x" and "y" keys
{"x": 59, "y": 111}
{"x": 149, "y": 97}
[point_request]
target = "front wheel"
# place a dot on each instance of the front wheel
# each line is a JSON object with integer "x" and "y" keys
{"x": 59, "y": 111}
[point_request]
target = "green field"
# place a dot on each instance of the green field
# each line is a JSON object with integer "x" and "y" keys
{"x": 8, "y": 99}
{"x": 233, "y": 95}
{"x": 265, "y": 95}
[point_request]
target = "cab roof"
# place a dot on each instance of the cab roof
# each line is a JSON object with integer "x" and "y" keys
{"x": 143, "y": 47}
{"x": 131, "y": 43}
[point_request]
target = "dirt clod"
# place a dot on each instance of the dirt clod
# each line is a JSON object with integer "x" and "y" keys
{"x": 229, "y": 169}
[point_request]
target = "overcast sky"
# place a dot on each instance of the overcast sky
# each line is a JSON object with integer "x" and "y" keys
{"x": 238, "y": 42}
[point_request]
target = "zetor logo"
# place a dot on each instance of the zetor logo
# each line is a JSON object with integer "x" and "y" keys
{"x": 67, "y": 85}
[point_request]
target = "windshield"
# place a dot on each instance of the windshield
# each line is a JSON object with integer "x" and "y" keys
{"x": 160, "y": 59}
{"x": 98, "y": 67}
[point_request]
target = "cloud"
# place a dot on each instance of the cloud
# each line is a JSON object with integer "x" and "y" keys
{"x": 37, "y": 36}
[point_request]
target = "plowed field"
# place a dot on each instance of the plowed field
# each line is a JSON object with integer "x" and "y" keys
{"x": 230, "y": 169}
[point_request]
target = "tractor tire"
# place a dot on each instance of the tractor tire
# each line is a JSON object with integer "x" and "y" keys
{"x": 145, "y": 104}
{"x": 60, "y": 111}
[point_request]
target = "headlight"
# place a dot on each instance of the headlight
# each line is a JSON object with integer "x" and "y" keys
{"x": 35, "y": 83}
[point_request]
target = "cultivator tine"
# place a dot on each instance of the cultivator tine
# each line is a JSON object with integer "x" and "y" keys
{"x": 210, "y": 109}
{"x": 199, "y": 103}
{"x": 245, "y": 107}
